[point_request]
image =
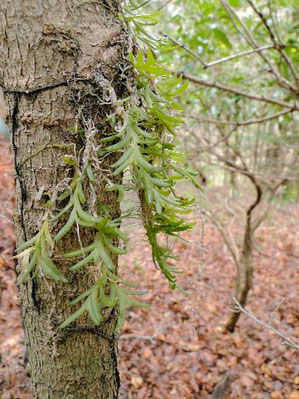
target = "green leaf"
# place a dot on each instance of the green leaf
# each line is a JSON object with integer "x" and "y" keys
{"x": 74, "y": 316}
{"x": 219, "y": 34}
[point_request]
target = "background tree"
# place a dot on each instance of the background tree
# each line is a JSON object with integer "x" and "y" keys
{"x": 241, "y": 58}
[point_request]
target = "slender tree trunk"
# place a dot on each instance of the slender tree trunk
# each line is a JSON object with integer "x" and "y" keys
{"x": 244, "y": 266}
{"x": 243, "y": 279}
{"x": 59, "y": 60}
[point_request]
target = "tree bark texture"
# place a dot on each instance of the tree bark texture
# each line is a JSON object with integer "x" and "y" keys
{"x": 61, "y": 63}
{"x": 244, "y": 276}
{"x": 243, "y": 284}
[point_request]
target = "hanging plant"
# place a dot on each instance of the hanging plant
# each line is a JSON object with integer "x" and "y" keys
{"x": 145, "y": 138}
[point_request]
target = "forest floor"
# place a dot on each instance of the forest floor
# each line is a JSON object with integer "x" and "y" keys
{"x": 178, "y": 349}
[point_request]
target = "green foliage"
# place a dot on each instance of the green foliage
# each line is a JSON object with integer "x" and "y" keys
{"x": 77, "y": 199}
{"x": 220, "y": 33}
{"x": 118, "y": 296}
{"x": 148, "y": 149}
{"x": 140, "y": 22}
{"x": 34, "y": 255}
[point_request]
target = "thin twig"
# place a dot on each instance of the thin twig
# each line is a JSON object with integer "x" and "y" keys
{"x": 274, "y": 22}
{"x": 243, "y": 54}
{"x": 216, "y": 223}
{"x": 251, "y": 41}
{"x": 286, "y": 340}
{"x": 188, "y": 50}
{"x": 272, "y": 315}
{"x": 276, "y": 44}
{"x": 259, "y": 221}
{"x": 243, "y": 123}
{"x": 234, "y": 90}
{"x": 6, "y": 219}
{"x": 210, "y": 147}
{"x": 4, "y": 208}
{"x": 221, "y": 60}
{"x": 164, "y": 5}
{"x": 232, "y": 13}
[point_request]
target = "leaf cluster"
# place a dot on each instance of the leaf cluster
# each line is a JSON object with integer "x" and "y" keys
{"x": 34, "y": 255}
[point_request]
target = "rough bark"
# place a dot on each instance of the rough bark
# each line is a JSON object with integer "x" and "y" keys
{"x": 244, "y": 265}
{"x": 243, "y": 280}
{"x": 59, "y": 59}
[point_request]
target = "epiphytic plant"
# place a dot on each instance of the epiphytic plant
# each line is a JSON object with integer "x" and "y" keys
{"x": 145, "y": 137}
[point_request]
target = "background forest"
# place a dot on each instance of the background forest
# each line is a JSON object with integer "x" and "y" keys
{"x": 235, "y": 335}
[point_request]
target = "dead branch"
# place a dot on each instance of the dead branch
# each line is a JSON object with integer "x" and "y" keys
{"x": 208, "y": 148}
{"x": 287, "y": 341}
{"x": 243, "y": 54}
{"x": 164, "y": 5}
{"x": 277, "y": 45}
{"x": 239, "y": 92}
{"x": 4, "y": 208}
{"x": 243, "y": 123}
{"x": 137, "y": 336}
{"x": 212, "y": 217}
{"x": 251, "y": 41}
{"x": 259, "y": 221}
{"x": 182, "y": 46}
{"x": 274, "y": 22}
{"x": 6, "y": 219}
{"x": 207, "y": 65}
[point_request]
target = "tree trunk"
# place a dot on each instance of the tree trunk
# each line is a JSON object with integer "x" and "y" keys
{"x": 242, "y": 286}
{"x": 244, "y": 265}
{"x": 244, "y": 275}
{"x": 59, "y": 60}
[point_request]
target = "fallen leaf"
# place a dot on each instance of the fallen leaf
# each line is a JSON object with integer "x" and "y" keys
{"x": 136, "y": 381}
{"x": 276, "y": 395}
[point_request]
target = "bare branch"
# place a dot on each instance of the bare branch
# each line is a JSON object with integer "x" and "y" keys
{"x": 222, "y": 87}
{"x": 210, "y": 215}
{"x": 210, "y": 147}
{"x": 276, "y": 44}
{"x": 286, "y": 340}
{"x": 274, "y": 21}
{"x": 246, "y": 172}
{"x": 259, "y": 194}
{"x": 251, "y": 41}
{"x": 220, "y": 61}
{"x": 231, "y": 12}
{"x": 6, "y": 219}
{"x": 243, "y": 123}
{"x": 263, "y": 217}
{"x": 188, "y": 51}
{"x": 272, "y": 315}
{"x": 231, "y": 164}
{"x": 4, "y": 208}
{"x": 164, "y": 5}
{"x": 243, "y": 54}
